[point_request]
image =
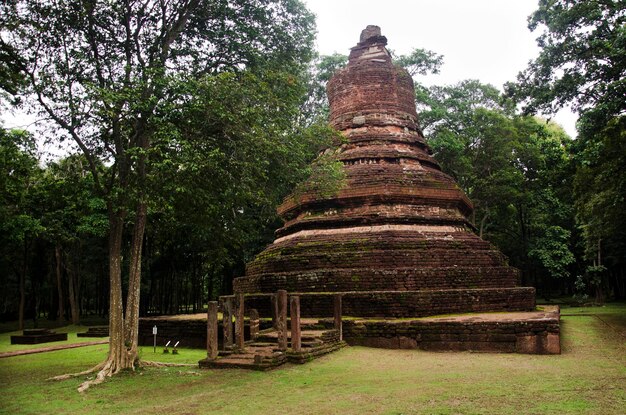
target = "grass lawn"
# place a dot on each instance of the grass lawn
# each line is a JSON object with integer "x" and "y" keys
{"x": 588, "y": 378}
{"x": 6, "y": 346}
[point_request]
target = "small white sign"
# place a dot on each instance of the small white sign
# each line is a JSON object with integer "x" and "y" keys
{"x": 154, "y": 330}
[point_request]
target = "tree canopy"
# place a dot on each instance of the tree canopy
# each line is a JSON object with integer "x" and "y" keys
{"x": 110, "y": 76}
{"x": 581, "y": 62}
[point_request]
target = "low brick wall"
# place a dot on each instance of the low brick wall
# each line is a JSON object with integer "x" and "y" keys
{"x": 522, "y": 335}
{"x": 402, "y": 279}
{"x": 401, "y": 304}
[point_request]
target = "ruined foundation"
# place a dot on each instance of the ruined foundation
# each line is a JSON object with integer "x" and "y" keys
{"x": 37, "y": 336}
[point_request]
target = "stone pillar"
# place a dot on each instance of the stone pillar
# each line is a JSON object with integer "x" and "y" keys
{"x": 239, "y": 323}
{"x": 227, "y": 322}
{"x": 337, "y": 315}
{"x": 274, "y": 307}
{"x": 282, "y": 319}
{"x": 211, "y": 331}
{"x": 296, "y": 334}
{"x": 254, "y": 324}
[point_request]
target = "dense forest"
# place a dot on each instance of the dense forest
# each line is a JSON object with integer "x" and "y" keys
{"x": 185, "y": 123}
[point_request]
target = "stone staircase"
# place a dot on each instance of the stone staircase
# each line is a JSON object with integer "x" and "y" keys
{"x": 264, "y": 354}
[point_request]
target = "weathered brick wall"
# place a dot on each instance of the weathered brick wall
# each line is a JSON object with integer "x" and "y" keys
{"x": 512, "y": 336}
{"x": 382, "y": 214}
{"x": 408, "y": 303}
{"x": 381, "y": 86}
{"x": 397, "y": 279}
{"x": 374, "y": 118}
{"x": 404, "y": 248}
{"x": 382, "y": 89}
{"x": 381, "y": 193}
{"x": 386, "y": 258}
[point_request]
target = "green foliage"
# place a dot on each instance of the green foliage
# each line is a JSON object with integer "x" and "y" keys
{"x": 581, "y": 62}
{"x": 552, "y": 251}
{"x": 174, "y": 106}
{"x": 71, "y": 206}
{"x": 514, "y": 169}
{"x": 322, "y": 69}
{"x": 326, "y": 177}
{"x": 20, "y": 224}
{"x": 420, "y": 62}
{"x": 600, "y": 203}
{"x": 236, "y": 152}
{"x": 451, "y": 107}
{"x": 109, "y": 74}
{"x": 11, "y": 80}
{"x": 600, "y": 187}
{"x": 19, "y": 174}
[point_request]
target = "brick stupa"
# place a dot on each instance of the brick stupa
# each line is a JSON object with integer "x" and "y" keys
{"x": 395, "y": 241}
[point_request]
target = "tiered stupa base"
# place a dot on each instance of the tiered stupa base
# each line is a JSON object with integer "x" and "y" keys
{"x": 394, "y": 271}
{"x": 406, "y": 304}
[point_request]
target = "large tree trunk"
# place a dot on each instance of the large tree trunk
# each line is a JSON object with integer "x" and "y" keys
{"x": 73, "y": 291}
{"x": 23, "y": 287}
{"x": 600, "y": 284}
{"x": 57, "y": 255}
{"x": 118, "y": 357}
{"x": 131, "y": 322}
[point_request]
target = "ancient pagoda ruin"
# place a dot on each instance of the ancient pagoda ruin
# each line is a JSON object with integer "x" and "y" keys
{"x": 395, "y": 241}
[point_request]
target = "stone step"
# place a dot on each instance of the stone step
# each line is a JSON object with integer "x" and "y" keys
{"x": 307, "y": 355}
{"x": 255, "y": 359}
{"x": 262, "y": 344}
{"x": 263, "y": 353}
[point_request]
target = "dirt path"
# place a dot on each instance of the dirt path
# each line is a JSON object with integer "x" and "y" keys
{"x": 51, "y": 348}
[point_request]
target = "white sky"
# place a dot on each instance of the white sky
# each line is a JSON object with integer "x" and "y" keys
{"x": 486, "y": 40}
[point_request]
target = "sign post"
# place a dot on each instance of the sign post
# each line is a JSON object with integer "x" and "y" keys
{"x": 154, "y": 332}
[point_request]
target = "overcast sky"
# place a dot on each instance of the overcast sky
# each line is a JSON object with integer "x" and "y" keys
{"x": 488, "y": 40}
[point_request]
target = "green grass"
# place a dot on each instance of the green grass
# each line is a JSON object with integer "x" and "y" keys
{"x": 610, "y": 308}
{"x": 6, "y": 346}
{"x": 588, "y": 378}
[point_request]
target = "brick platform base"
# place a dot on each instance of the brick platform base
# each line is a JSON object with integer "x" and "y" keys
{"x": 402, "y": 304}
{"x": 530, "y": 332}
